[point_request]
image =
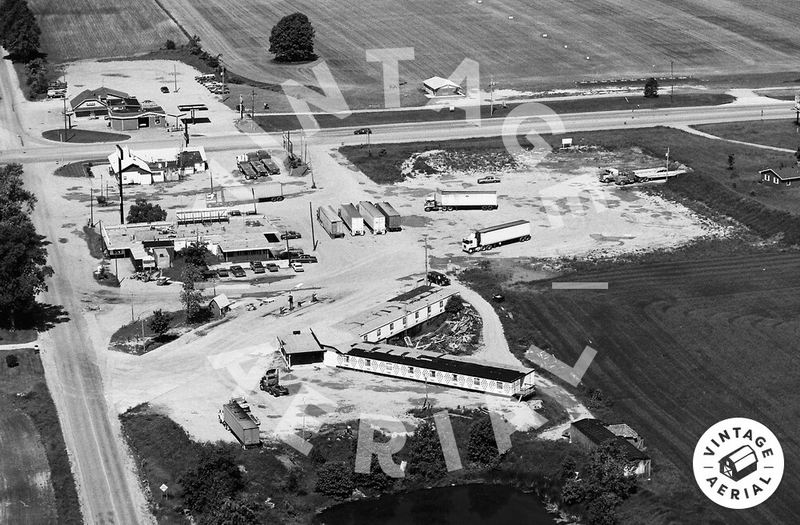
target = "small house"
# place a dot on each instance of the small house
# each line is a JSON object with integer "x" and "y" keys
{"x": 220, "y": 305}
{"x": 299, "y": 348}
{"x": 780, "y": 176}
{"x": 739, "y": 463}
{"x": 591, "y": 433}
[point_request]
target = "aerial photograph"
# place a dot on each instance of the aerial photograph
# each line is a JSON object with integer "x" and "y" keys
{"x": 471, "y": 262}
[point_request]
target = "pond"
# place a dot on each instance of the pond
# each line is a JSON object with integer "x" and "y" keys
{"x": 462, "y": 505}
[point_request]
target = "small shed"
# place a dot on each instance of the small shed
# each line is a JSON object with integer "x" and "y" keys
{"x": 780, "y": 175}
{"x": 220, "y": 305}
{"x": 438, "y": 86}
{"x": 739, "y": 463}
{"x": 300, "y": 348}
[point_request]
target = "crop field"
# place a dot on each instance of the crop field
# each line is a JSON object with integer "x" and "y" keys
{"x": 87, "y": 29}
{"x": 621, "y": 39}
{"x": 681, "y": 345}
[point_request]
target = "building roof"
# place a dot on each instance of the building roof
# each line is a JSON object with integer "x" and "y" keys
{"x": 623, "y": 430}
{"x": 300, "y": 343}
{"x": 598, "y": 434}
{"x": 221, "y": 301}
{"x": 439, "y": 362}
{"x": 100, "y": 94}
{"x": 437, "y": 83}
{"x": 244, "y": 417}
{"x": 128, "y": 158}
{"x": 397, "y": 308}
{"x": 783, "y": 174}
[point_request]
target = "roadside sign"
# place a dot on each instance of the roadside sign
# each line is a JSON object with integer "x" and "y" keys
{"x": 163, "y": 487}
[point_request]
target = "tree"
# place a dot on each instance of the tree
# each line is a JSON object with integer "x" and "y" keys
{"x": 335, "y": 479}
{"x": 195, "y": 254}
{"x": 23, "y": 256}
{"x": 731, "y": 161}
{"x": 454, "y": 305}
{"x": 12, "y": 361}
{"x": 797, "y": 154}
{"x": 212, "y": 480}
{"x": 169, "y": 44}
{"x": 191, "y": 298}
{"x": 143, "y": 211}
{"x": 292, "y": 39}
{"x": 482, "y": 447}
{"x": 602, "y": 510}
{"x": 230, "y": 512}
{"x": 425, "y": 456}
{"x": 376, "y": 480}
{"x": 651, "y": 88}
{"x": 160, "y": 322}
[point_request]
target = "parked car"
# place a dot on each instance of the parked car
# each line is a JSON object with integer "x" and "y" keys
{"x": 498, "y": 297}
{"x": 222, "y": 272}
{"x": 290, "y": 235}
{"x": 164, "y": 89}
{"x": 235, "y": 213}
{"x": 304, "y": 258}
{"x": 363, "y": 131}
{"x": 296, "y": 266}
{"x": 257, "y": 267}
{"x": 272, "y": 267}
{"x": 438, "y": 278}
{"x": 291, "y": 253}
{"x": 489, "y": 179}
{"x": 238, "y": 271}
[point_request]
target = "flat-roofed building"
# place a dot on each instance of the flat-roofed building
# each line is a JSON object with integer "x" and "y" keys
{"x": 300, "y": 348}
{"x": 434, "y": 368}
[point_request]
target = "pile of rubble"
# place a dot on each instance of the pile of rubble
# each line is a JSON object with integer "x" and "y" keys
{"x": 458, "y": 335}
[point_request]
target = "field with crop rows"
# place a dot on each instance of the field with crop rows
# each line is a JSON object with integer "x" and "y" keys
{"x": 630, "y": 38}
{"x": 681, "y": 345}
{"x": 86, "y": 29}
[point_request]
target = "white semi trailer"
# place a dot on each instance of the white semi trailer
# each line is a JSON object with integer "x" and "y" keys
{"x": 373, "y": 217}
{"x": 494, "y": 236}
{"x": 448, "y": 200}
{"x": 330, "y": 221}
{"x": 352, "y": 219}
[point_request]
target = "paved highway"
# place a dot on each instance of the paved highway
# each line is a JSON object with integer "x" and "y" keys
{"x": 108, "y": 491}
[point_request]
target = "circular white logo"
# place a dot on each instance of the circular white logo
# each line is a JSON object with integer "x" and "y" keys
{"x": 738, "y": 463}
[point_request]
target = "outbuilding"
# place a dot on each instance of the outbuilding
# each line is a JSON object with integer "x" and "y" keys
{"x": 220, "y": 305}
{"x": 591, "y": 433}
{"x": 438, "y": 86}
{"x": 300, "y": 348}
{"x": 780, "y": 176}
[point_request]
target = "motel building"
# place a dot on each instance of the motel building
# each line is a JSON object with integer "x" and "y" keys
{"x": 433, "y": 368}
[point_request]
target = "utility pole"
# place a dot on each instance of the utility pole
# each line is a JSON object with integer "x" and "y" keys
{"x": 491, "y": 96}
{"x": 667, "y": 159}
{"x": 64, "y": 102}
{"x": 311, "y": 216}
{"x": 425, "y": 241}
{"x": 253, "y": 191}
{"x": 175, "y": 77}
{"x": 211, "y": 180}
{"x": 253, "y": 102}
{"x": 121, "y": 204}
{"x": 672, "y": 79}
{"x": 91, "y": 206}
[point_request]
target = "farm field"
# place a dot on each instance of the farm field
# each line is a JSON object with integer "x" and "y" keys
{"x": 35, "y": 476}
{"x": 681, "y": 345}
{"x": 634, "y": 38}
{"x": 85, "y": 29}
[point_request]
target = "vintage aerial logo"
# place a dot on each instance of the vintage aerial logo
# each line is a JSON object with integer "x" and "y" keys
{"x": 738, "y": 463}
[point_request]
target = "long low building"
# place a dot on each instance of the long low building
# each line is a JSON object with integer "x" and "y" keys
{"x": 434, "y": 368}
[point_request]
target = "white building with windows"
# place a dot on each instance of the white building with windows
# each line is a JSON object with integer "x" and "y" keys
{"x": 434, "y": 368}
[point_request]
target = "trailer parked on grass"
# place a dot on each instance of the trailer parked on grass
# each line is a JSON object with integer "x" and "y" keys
{"x": 494, "y": 236}
{"x": 330, "y": 221}
{"x": 448, "y": 200}
{"x": 392, "y": 217}
{"x": 373, "y": 218}
{"x": 352, "y": 219}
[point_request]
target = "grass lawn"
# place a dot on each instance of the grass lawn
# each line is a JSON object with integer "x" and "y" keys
{"x": 138, "y": 338}
{"x": 83, "y": 136}
{"x": 578, "y": 105}
{"x": 23, "y": 389}
{"x": 776, "y": 133}
{"x": 11, "y": 337}
{"x": 681, "y": 343}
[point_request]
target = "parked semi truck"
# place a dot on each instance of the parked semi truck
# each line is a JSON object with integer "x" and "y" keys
{"x": 352, "y": 219}
{"x": 330, "y": 221}
{"x": 391, "y": 215}
{"x": 271, "y": 383}
{"x": 449, "y": 200}
{"x": 494, "y": 236}
{"x": 236, "y": 417}
{"x": 373, "y": 217}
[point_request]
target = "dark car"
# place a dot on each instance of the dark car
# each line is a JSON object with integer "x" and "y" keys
{"x": 164, "y": 89}
{"x": 257, "y": 267}
{"x": 290, "y": 235}
{"x": 489, "y": 179}
{"x": 291, "y": 253}
{"x": 222, "y": 272}
{"x": 363, "y": 131}
{"x": 272, "y": 267}
{"x": 304, "y": 258}
{"x": 438, "y": 278}
{"x": 238, "y": 271}
{"x": 498, "y": 298}
{"x": 235, "y": 213}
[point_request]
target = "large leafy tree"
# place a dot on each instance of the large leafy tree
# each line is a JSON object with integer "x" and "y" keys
{"x": 425, "y": 456}
{"x": 482, "y": 446}
{"x": 651, "y": 88}
{"x": 292, "y": 39}
{"x": 23, "y": 256}
{"x": 143, "y": 211}
{"x": 214, "y": 479}
{"x": 191, "y": 297}
{"x": 335, "y": 479}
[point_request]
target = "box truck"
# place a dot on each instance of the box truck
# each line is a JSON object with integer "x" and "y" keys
{"x": 236, "y": 417}
{"x": 494, "y": 236}
{"x": 448, "y": 200}
{"x": 373, "y": 218}
{"x": 392, "y": 217}
{"x": 352, "y": 219}
{"x": 330, "y": 221}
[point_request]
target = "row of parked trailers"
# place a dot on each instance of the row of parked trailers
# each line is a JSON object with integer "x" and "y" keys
{"x": 257, "y": 164}
{"x": 379, "y": 218}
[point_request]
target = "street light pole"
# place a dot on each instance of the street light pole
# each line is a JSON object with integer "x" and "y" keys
{"x": 425, "y": 241}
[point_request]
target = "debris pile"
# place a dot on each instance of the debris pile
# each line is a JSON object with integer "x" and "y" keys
{"x": 458, "y": 335}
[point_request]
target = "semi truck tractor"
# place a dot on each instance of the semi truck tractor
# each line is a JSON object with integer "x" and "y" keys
{"x": 330, "y": 221}
{"x": 236, "y": 417}
{"x": 448, "y": 200}
{"x": 494, "y": 236}
{"x": 352, "y": 219}
{"x": 392, "y": 217}
{"x": 373, "y": 218}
